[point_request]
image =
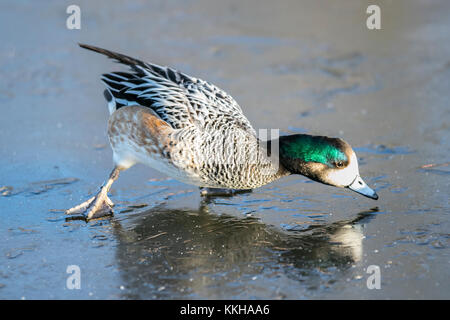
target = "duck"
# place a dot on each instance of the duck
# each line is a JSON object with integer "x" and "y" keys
{"x": 196, "y": 133}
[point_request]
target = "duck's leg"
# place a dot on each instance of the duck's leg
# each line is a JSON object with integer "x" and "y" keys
{"x": 100, "y": 204}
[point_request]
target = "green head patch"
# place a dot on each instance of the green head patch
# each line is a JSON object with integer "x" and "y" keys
{"x": 306, "y": 148}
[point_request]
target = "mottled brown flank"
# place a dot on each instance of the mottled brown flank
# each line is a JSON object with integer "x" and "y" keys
{"x": 140, "y": 125}
{"x": 156, "y": 127}
{"x": 137, "y": 132}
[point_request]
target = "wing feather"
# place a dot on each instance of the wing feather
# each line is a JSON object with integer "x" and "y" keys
{"x": 179, "y": 99}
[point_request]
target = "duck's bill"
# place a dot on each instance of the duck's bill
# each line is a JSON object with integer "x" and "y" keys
{"x": 358, "y": 185}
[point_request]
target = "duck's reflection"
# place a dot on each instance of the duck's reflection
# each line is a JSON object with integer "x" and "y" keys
{"x": 173, "y": 254}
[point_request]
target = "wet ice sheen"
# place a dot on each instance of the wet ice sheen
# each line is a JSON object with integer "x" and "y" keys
{"x": 385, "y": 92}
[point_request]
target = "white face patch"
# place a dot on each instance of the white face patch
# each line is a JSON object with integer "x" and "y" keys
{"x": 344, "y": 177}
{"x": 349, "y": 177}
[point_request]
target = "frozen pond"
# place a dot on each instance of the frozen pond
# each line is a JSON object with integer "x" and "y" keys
{"x": 301, "y": 66}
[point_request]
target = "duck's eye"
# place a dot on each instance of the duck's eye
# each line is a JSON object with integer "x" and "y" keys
{"x": 339, "y": 164}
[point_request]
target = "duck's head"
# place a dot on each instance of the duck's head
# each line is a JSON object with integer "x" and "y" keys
{"x": 327, "y": 160}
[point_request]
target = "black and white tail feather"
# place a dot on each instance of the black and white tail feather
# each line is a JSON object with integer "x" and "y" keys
{"x": 177, "y": 98}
